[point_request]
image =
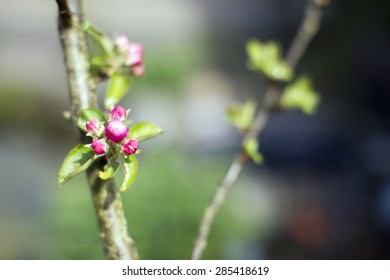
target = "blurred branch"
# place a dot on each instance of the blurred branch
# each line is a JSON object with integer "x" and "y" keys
{"x": 306, "y": 32}
{"x": 112, "y": 223}
{"x": 308, "y": 29}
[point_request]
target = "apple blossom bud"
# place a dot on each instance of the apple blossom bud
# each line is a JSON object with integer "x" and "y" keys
{"x": 122, "y": 43}
{"x": 99, "y": 146}
{"x": 138, "y": 70}
{"x": 94, "y": 127}
{"x": 116, "y": 131}
{"x": 130, "y": 147}
{"x": 118, "y": 113}
{"x": 135, "y": 54}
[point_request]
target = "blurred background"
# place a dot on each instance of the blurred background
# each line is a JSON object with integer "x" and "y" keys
{"x": 323, "y": 192}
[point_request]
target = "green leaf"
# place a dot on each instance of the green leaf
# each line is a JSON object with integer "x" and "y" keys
{"x": 300, "y": 95}
{"x": 110, "y": 170}
{"x": 117, "y": 88}
{"x": 241, "y": 115}
{"x": 100, "y": 66}
{"x": 251, "y": 147}
{"x": 89, "y": 114}
{"x": 78, "y": 160}
{"x": 101, "y": 41}
{"x": 142, "y": 131}
{"x": 266, "y": 58}
{"x": 99, "y": 62}
{"x": 130, "y": 167}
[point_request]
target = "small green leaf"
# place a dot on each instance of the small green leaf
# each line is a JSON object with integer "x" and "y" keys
{"x": 110, "y": 170}
{"x": 101, "y": 41}
{"x": 99, "y": 62}
{"x": 241, "y": 115}
{"x": 300, "y": 95}
{"x": 87, "y": 115}
{"x": 142, "y": 131}
{"x": 78, "y": 160}
{"x": 251, "y": 147}
{"x": 279, "y": 71}
{"x": 266, "y": 58}
{"x": 130, "y": 167}
{"x": 101, "y": 68}
{"x": 117, "y": 88}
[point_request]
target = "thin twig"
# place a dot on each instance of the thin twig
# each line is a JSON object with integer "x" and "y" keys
{"x": 218, "y": 198}
{"x": 306, "y": 32}
{"x": 112, "y": 222}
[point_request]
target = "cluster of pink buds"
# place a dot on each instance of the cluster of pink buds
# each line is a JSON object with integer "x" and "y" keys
{"x": 111, "y": 134}
{"x": 133, "y": 54}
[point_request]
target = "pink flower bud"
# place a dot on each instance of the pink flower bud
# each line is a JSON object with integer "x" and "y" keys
{"x": 135, "y": 54}
{"x": 130, "y": 147}
{"x": 138, "y": 70}
{"x": 99, "y": 146}
{"x": 122, "y": 43}
{"x": 95, "y": 127}
{"x": 118, "y": 113}
{"x": 116, "y": 131}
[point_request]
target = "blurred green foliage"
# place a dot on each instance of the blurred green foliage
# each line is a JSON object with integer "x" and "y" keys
{"x": 251, "y": 148}
{"x": 118, "y": 86}
{"x": 267, "y": 59}
{"x": 300, "y": 95}
{"x": 241, "y": 115}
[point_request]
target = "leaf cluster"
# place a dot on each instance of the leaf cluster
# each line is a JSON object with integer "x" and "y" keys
{"x": 266, "y": 59}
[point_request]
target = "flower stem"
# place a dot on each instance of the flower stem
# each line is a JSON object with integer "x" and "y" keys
{"x": 309, "y": 27}
{"x": 82, "y": 89}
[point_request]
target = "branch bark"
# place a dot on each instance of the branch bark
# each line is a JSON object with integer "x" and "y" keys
{"x": 307, "y": 30}
{"x": 82, "y": 89}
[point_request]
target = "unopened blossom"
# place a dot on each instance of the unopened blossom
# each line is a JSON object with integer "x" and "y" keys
{"x": 116, "y": 131}
{"x": 138, "y": 70}
{"x": 118, "y": 113}
{"x": 99, "y": 146}
{"x": 122, "y": 43}
{"x": 130, "y": 147}
{"x": 95, "y": 127}
{"x": 135, "y": 53}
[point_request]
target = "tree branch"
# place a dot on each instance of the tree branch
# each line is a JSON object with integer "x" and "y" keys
{"x": 308, "y": 28}
{"x": 82, "y": 89}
